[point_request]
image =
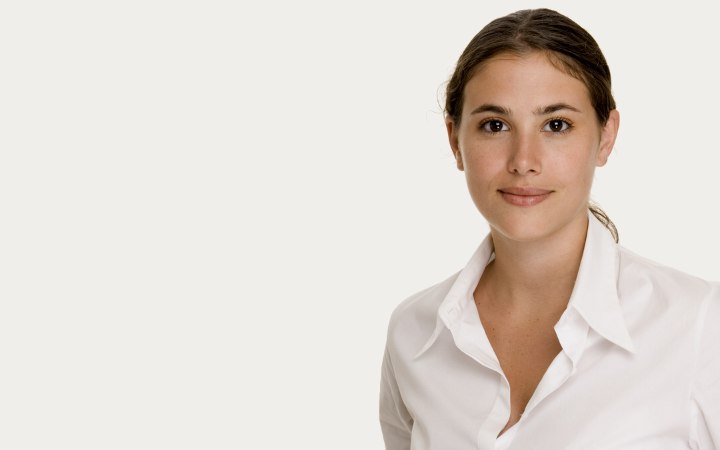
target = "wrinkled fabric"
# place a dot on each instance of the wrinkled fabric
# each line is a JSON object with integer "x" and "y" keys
{"x": 639, "y": 366}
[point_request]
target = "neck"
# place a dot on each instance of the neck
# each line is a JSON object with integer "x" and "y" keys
{"x": 535, "y": 276}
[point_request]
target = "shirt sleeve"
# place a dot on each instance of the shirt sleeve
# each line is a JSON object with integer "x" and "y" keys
{"x": 395, "y": 420}
{"x": 706, "y": 388}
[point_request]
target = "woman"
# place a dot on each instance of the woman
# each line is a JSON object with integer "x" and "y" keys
{"x": 553, "y": 336}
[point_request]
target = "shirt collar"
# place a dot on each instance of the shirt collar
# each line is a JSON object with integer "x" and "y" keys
{"x": 594, "y": 296}
{"x": 450, "y": 310}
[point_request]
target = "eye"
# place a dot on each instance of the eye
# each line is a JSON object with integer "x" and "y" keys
{"x": 557, "y": 126}
{"x": 493, "y": 126}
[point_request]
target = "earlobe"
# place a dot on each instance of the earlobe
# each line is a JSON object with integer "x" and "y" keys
{"x": 608, "y": 134}
{"x": 454, "y": 145}
{"x": 459, "y": 161}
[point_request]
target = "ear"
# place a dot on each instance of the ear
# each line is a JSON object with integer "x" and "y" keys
{"x": 453, "y": 139}
{"x": 608, "y": 133}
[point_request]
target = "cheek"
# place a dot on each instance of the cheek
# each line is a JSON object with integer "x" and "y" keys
{"x": 483, "y": 156}
{"x": 482, "y": 166}
{"x": 575, "y": 169}
{"x": 577, "y": 155}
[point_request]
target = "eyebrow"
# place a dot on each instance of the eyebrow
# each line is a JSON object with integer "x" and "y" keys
{"x": 486, "y": 107}
{"x": 554, "y": 108}
{"x": 500, "y": 110}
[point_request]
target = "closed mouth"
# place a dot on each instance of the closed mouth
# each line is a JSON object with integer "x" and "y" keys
{"x": 525, "y": 191}
{"x": 524, "y": 196}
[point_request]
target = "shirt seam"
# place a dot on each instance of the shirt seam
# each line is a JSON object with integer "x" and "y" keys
{"x": 406, "y": 427}
{"x": 701, "y": 321}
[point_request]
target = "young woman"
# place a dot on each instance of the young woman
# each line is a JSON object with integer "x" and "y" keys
{"x": 553, "y": 336}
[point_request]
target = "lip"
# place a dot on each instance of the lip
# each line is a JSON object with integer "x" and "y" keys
{"x": 524, "y": 195}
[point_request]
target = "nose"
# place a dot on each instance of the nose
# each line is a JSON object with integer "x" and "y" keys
{"x": 524, "y": 156}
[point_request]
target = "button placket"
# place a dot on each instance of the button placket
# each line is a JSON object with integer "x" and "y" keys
{"x": 497, "y": 418}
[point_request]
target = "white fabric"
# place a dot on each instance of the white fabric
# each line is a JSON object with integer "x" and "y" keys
{"x": 639, "y": 366}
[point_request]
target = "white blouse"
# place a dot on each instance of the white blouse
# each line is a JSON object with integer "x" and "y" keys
{"x": 639, "y": 366}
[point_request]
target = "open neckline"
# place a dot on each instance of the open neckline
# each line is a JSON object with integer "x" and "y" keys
{"x": 504, "y": 440}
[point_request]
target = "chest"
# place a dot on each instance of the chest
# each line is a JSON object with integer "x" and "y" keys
{"x": 610, "y": 400}
{"x": 525, "y": 350}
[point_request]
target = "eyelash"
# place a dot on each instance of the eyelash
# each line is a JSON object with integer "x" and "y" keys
{"x": 554, "y": 119}
{"x": 489, "y": 120}
{"x": 560, "y": 119}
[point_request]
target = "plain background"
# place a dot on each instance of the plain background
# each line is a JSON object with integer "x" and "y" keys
{"x": 208, "y": 211}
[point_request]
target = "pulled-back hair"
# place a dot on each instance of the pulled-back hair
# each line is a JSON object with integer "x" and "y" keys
{"x": 566, "y": 44}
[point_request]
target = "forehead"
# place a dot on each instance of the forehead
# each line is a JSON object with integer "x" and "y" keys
{"x": 524, "y": 81}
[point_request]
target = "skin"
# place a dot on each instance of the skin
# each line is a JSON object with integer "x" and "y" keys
{"x": 527, "y": 124}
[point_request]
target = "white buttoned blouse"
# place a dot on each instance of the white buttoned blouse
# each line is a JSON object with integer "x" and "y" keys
{"x": 639, "y": 366}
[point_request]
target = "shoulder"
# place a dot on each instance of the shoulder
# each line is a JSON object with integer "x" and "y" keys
{"x": 417, "y": 314}
{"x": 666, "y": 282}
{"x": 667, "y": 299}
{"x": 422, "y": 304}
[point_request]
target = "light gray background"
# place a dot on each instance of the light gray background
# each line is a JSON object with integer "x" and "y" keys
{"x": 208, "y": 211}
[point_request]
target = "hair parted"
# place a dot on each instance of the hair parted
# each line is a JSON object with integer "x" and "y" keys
{"x": 567, "y": 45}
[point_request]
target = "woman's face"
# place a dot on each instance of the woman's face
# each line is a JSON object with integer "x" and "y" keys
{"x": 529, "y": 141}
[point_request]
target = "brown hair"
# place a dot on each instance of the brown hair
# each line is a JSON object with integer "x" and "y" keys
{"x": 567, "y": 45}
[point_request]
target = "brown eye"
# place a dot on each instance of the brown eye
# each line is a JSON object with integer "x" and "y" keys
{"x": 556, "y": 126}
{"x": 493, "y": 126}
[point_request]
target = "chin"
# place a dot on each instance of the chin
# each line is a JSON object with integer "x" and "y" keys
{"x": 531, "y": 224}
{"x": 522, "y": 231}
